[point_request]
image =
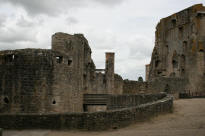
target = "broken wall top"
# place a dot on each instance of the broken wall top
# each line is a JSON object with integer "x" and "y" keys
{"x": 182, "y": 17}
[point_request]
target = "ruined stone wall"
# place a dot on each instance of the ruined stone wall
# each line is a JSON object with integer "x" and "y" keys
{"x": 98, "y": 84}
{"x": 99, "y": 87}
{"x": 118, "y": 84}
{"x": 160, "y": 84}
{"x": 105, "y": 81}
{"x": 41, "y": 81}
{"x": 53, "y": 81}
{"x": 134, "y": 87}
{"x": 26, "y": 78}
{"x": 179, "y": 48}
{"x": 168, "y": 85}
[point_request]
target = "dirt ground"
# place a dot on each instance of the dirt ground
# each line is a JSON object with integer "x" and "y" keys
{"x": 188, "y": 119}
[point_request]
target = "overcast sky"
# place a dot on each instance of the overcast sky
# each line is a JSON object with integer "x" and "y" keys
{"x": 125, "y": 27}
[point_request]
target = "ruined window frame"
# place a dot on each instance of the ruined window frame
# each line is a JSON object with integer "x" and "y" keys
{"x": 70, "y": 62}
{"x": 59, "y": 59}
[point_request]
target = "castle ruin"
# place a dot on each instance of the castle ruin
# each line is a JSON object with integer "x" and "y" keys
{"x": 58, "y": 87}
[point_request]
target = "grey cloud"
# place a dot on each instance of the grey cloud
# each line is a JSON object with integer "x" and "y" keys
{"x": 140, "y": 53}
{"x": 2, "y": 20}
{"x": 140, "y": 49}
{"x": 9, "y": 46}
{"x": 22, "y": 22}
{"x": 133, "y": 74}
{"x": 71, "y": 20}
{"x": 130, "y": 68}
{"x": 34, "y": 6}
{"x": 11, "y": 35}
{"x": 53, "y": 7}
{"x": 109, "y": 2}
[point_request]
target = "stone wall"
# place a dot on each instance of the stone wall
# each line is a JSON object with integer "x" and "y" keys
{"x": 87, "y": 121}
{"x": 134, "y": 87}
{"x": 26, "y": 78}
{"x": 98, "y": 85}
{"x": 171, "y": 85}
{"x": 168, "y": 85}
{"x": 39, "y": 81}
{"x": 125, "y": 101}
{"x": 118, "y": 84}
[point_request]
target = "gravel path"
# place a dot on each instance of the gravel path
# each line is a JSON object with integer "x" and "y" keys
{"x": 188, "y": 119}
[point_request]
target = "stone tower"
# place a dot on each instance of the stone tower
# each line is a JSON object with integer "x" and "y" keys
{"x": 147, "y": 72}
{"x": 68, "y": 83}
{"x": 109, "y": 71}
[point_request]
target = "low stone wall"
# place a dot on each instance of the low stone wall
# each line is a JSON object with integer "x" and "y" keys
{"x": 188, "y": 95}
{"x": 126, "y": 100}
{"x": 87, "y": 121}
